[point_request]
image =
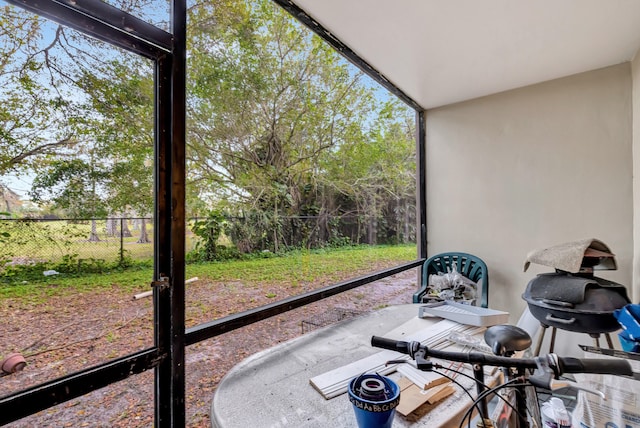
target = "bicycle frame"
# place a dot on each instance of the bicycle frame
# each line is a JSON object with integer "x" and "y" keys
{"x": 547, "y": 369}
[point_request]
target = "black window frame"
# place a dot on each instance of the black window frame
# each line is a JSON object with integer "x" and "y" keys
{"x": 167, "y": 356}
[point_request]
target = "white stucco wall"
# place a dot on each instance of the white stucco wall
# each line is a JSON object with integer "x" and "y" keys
{"x": 531, "y": 168}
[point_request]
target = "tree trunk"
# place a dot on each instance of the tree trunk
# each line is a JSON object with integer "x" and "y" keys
{"x": 93, "y": 236}
{"x": 407, "y": 218}
{"x": 112, "y": 226}
{"x": 275, "y": 229}
{"x": 144, "y": 236}
{"x": 373, "y": 222}
{"x": 126, "y": 233}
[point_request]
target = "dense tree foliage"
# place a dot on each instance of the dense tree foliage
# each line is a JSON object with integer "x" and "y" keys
{"x": 283, "y": 135}
{"x": 281, "y": 127}
{"x": 34, "y": 112}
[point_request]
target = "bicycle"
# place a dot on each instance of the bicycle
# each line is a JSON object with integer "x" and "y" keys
{"x": 505, "y": 340}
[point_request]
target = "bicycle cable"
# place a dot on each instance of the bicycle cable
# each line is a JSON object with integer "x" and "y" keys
{"x": 483, "y": 395}
{"x": 486, "y": 387}
{"x": 461, "y": 386}
{"x": 474, "y": 403}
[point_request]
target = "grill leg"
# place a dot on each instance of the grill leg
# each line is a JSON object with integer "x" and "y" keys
{"x": 553, "y": 339}
{"x": 596, "y": 339}
{"x": 609, "y": 342}
{"x": 540, "y": 339}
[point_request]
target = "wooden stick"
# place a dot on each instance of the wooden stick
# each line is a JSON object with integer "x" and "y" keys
{"x": 150, "y": 292}
{"x": 423, "y": 380}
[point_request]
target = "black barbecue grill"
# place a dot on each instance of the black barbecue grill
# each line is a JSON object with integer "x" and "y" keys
{"x": 576, "y": 301}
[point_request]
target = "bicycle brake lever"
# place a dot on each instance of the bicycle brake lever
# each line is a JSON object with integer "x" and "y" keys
{"x": 557, "y": 384}
{"x": 421, "y": 362}
{"x": 395, "y": 362}
{"x": 544, "y": 377}
{"x": 542, "y": 380}
{"x": 543, "y": 374}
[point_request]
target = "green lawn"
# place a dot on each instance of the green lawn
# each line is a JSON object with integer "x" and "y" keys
{"x": 295, "y": 268}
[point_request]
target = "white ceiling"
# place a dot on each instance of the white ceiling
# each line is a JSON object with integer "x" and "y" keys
{"x": 444, "y": 51}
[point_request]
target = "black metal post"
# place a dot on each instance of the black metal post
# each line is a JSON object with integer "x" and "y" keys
{"x": 238, "y": 320}
{"x": 421, "y": 188}
{"x": 48, "y": 394}
{"x": 421, "y": 182}
{"x": 169, "y": 296}
{"x": 122, "y": 240}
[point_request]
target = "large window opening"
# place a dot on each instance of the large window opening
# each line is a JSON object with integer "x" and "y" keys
{"x": 300, "y": 174}
{"x": 77, "y": 179}
{"x": 299, "y": 195}
{"x": 292, "y": 152}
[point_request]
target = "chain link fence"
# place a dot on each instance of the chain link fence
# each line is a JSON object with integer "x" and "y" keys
{"x": 83, "y": 242}
{"x": 91, "y": 244}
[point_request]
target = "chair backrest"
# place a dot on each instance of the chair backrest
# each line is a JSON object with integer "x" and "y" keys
{"x": 468, "y": 265}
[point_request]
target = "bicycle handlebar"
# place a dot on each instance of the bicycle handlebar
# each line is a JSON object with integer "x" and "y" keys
{"x": 596, "y": 365}
{"x": 560, "y": 364}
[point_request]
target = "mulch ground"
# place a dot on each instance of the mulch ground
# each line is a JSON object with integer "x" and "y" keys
{"x": 73, "y": 332}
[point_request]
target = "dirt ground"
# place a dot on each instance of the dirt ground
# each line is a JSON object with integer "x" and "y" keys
{"x": 74, "y": 332}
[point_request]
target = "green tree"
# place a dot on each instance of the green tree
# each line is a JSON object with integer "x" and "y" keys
{"x": 34, "y": 110}
{"x": 74, "y": 186}
{"x": 279, "y": 125}
{"x": 268, "y": 99}
{"x": 65, "y": 94}
{"x": 209, "y": 231}
{"x": 376, "y": 174}
{"x": 121, "y": 102}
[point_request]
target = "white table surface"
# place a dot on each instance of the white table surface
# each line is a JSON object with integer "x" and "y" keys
{"x": 271, "y": 388}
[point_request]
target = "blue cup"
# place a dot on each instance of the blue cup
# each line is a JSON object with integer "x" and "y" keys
{"x": 374, "y": 400}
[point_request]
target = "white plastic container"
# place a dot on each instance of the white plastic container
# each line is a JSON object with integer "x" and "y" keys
{"x": 554, "y": 414}
{"x": 464, "y": 314}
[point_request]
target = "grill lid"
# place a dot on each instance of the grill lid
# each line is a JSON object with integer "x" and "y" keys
{"x": 576, "y": 292}
{"x": 575, "y": 303}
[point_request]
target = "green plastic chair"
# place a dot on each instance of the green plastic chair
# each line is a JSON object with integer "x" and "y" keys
{"x": 468, "y": 265}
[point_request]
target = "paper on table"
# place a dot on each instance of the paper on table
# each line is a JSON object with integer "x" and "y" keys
{"x": 335, "y": 382}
